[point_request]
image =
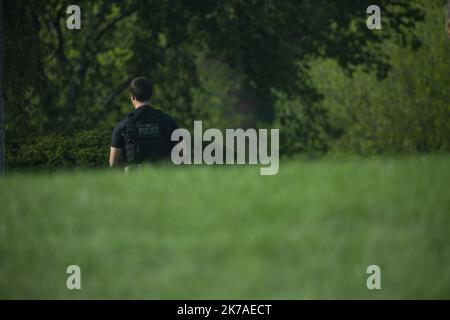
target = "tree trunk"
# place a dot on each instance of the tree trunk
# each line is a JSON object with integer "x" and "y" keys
{"x": 2, "y": 105}
{"x": 448, "y": 19}
{"x": 76, "y": 86}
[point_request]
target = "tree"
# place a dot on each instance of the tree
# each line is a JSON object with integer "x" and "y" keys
{"x": 408, "y": 111}
{"x": 270, "y": 43}
{"x": 448, "y": 19}
{"x": 2, "y": 106}
{"x": 73, "y": 80}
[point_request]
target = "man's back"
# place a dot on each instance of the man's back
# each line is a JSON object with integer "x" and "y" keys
{"x": 144, "y": 135}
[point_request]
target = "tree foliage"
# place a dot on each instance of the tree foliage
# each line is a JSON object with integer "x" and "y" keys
{"x": 201, "y": 55}
{"x": 269, "y": 42}
{"x": 408, "y": 111}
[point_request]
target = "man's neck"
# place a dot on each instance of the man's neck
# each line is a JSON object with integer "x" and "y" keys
{"x": 140, "y": 104}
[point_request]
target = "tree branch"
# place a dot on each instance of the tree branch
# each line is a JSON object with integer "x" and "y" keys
{"x": 2, "y": 106}
{"x": 60, "y": 39}
{"x": 114, "y": 22}
{"x": 116, "y": 91}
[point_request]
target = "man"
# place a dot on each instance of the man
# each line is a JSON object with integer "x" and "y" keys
{"x": 144, "y": 135}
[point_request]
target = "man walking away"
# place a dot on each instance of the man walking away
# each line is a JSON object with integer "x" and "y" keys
{"x": 143, "y": 135}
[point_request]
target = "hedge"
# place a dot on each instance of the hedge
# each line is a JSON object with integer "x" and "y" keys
{"x": 83, "y": 149}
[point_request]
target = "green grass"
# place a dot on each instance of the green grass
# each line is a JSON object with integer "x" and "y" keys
{"x": 227, "y": 232}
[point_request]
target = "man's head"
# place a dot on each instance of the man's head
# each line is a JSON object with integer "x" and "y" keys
{"x": 140, "y": 90}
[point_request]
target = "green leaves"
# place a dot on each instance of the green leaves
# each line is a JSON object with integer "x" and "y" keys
{"x": 83, "y": 149}
{"x": 407, "y": 112}
{"x": 77, "y": 80}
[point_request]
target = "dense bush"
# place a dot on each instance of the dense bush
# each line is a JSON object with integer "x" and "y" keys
{"x": 83, "y": 149}
{"x": 303, "y": 126}
{"x": 407, "y": 112}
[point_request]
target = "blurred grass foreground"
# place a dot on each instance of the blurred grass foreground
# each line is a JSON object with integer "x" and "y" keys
{"x": 227, "y": 232}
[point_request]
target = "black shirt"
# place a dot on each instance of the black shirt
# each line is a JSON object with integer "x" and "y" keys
{"x": 150, "y": 114}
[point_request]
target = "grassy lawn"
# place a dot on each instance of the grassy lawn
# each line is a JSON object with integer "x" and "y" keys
{"x": 227, "y": 232}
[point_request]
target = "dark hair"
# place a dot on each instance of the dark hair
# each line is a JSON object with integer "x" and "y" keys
{"x": 141, "y": 88}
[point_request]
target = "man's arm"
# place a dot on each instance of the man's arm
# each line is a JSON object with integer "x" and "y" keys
{"x": 117, "y": 144}
{"x": 114, "y": 157}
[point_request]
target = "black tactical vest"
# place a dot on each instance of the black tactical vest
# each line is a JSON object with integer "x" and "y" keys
{"x": 147, "y": 136}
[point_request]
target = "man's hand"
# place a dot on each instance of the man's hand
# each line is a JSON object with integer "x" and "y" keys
{"x": 114, "y": 157}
